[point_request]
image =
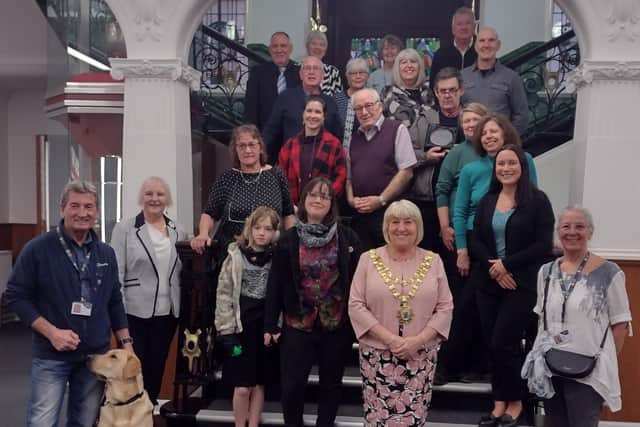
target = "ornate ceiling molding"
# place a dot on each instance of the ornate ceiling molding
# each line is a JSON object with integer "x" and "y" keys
{"x": 162, "y": 69}
{"x": 588, "y": 72}
{"x": 623, "y": 19}
{"x": 148, "y": 20}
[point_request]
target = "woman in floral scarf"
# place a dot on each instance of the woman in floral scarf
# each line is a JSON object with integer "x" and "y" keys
{"x": 309, "y": 284}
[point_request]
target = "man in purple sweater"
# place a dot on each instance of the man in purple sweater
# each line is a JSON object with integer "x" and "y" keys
{"x": 380, "y": 162}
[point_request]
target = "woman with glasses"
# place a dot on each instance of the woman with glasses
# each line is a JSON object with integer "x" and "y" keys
{"x": 239, "y": 191}
{"x": 410, "y": 101}
{"x": 357, "y": 73}
{"x": 309, "y": 283}
{"x": 313, "y": 152}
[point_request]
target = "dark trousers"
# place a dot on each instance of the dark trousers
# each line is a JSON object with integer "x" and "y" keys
{"x": 574, "y": 405}
{"x": 465, "y": 350}
{"x": 298, "y": 352}
{"x": 431, "y": 239}
{"x": 151, "y": 340}
{"x": 368, "y": 227}
{"x": 505, "y": 316}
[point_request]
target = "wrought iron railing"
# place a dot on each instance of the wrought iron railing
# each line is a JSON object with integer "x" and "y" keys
{"x": 225, "y": 65}
{"x": 544, "y": 71}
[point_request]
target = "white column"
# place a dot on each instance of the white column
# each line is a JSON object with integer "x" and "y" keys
{"x": 157, "y": 126}
{"x": 607, "y": 141}
{"x": 157, "y": 130}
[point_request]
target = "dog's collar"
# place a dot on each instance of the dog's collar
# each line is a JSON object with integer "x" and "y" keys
{"x": 126, "y": 402}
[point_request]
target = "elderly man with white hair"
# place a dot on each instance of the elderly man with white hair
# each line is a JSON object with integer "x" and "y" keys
{"x": 380, "y": 163}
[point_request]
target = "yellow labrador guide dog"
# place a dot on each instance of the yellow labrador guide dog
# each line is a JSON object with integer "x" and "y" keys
{"x": 126, "y": 401}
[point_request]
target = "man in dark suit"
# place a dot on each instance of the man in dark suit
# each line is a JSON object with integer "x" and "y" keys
{"x": 268, "y": 80}
{"x": 286, "y": 118}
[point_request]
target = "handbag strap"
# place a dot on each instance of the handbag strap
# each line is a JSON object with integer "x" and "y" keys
{"x": 544, "y": 309}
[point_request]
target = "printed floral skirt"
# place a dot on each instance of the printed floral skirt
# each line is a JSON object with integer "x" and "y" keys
{"x": 396, "y": 392}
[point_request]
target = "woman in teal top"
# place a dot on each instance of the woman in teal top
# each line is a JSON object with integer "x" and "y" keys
{"x": 492, "y": 133}
{"x": 459, "y": 156}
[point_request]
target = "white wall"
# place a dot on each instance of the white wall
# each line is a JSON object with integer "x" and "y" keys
{"x": 266, "y": 17}
{"x": 26, "y": 119}
{"x": 554, "y": 170}
{"x": 517, "y": 21}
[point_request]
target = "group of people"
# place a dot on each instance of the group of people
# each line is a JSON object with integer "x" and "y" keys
{"x": 347, "y": 216}
{"x": 454, "y": 229}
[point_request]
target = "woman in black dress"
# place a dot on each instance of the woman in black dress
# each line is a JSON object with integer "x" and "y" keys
{"x": 239, "y": 191}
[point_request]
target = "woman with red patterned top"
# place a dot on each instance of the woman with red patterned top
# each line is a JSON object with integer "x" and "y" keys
{"x": 313, "y": 152}
{"x": 309, "y": 283}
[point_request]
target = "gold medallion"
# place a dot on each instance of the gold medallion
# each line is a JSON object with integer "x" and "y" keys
{"x": 405, "y": 313}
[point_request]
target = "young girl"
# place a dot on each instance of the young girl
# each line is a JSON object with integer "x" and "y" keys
{"x": 239, "y": 315}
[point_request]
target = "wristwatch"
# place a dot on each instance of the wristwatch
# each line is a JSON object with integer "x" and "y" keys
{"x": 383, "y": 202}
{"x": 126, "y": 340}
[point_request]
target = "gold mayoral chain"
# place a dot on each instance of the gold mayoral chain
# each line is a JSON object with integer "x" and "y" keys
{"x": 405, "y": 313}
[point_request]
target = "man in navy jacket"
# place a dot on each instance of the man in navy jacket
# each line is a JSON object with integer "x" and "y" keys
{"x": 65, "y": 286}
{"x": 265, "y": 83}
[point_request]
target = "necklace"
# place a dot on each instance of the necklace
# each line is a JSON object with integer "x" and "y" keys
{"x": 405, "y": 313}
{"x": 246, "y": 181}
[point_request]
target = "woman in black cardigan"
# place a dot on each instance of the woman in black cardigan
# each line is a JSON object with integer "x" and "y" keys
{"x": 309, "y": 284}
{"x": 512, "y": 237}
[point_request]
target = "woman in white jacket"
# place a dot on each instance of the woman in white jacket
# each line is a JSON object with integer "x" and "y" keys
{"x": 149, "y": 270}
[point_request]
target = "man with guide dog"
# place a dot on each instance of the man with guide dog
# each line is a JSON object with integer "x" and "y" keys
{"x": 65, "y": 286}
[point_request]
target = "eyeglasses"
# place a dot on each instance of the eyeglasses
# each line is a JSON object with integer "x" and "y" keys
{"x": 451, "y": 91}
{"x": 321, "y": 196}
{"x": 368, "y": 106}
{"x": 251, "y": 146}
{"x": 311, "y": 68}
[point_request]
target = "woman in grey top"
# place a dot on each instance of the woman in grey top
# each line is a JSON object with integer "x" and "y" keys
{"x": 149, "y": 270}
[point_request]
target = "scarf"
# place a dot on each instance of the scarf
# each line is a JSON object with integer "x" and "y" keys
{"x": 315, "y": 235}
{"x": 258, "y": 258}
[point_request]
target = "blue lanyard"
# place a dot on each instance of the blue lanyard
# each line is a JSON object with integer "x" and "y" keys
{"x": 567, "y": 289}
{"x": 85, "y": 283}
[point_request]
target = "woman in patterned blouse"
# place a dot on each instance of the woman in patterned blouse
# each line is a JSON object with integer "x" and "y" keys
{"x": 317, "y": 46}
{"x": 309, "y": 285}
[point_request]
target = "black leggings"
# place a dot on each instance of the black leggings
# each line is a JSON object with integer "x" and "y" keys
{"x": 299, "y": 350}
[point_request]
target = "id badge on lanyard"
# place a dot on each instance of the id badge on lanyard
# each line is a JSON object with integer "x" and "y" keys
{"x": 83, "y": 307}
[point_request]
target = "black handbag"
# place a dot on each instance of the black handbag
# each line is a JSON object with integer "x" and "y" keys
{"x": 565, "y": 363}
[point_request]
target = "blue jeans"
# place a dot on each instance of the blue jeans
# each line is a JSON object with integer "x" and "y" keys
{"x": 49, "y": 380}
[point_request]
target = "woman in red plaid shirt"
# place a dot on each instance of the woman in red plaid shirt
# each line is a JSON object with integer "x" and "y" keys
{"x": 313, "y": 152}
